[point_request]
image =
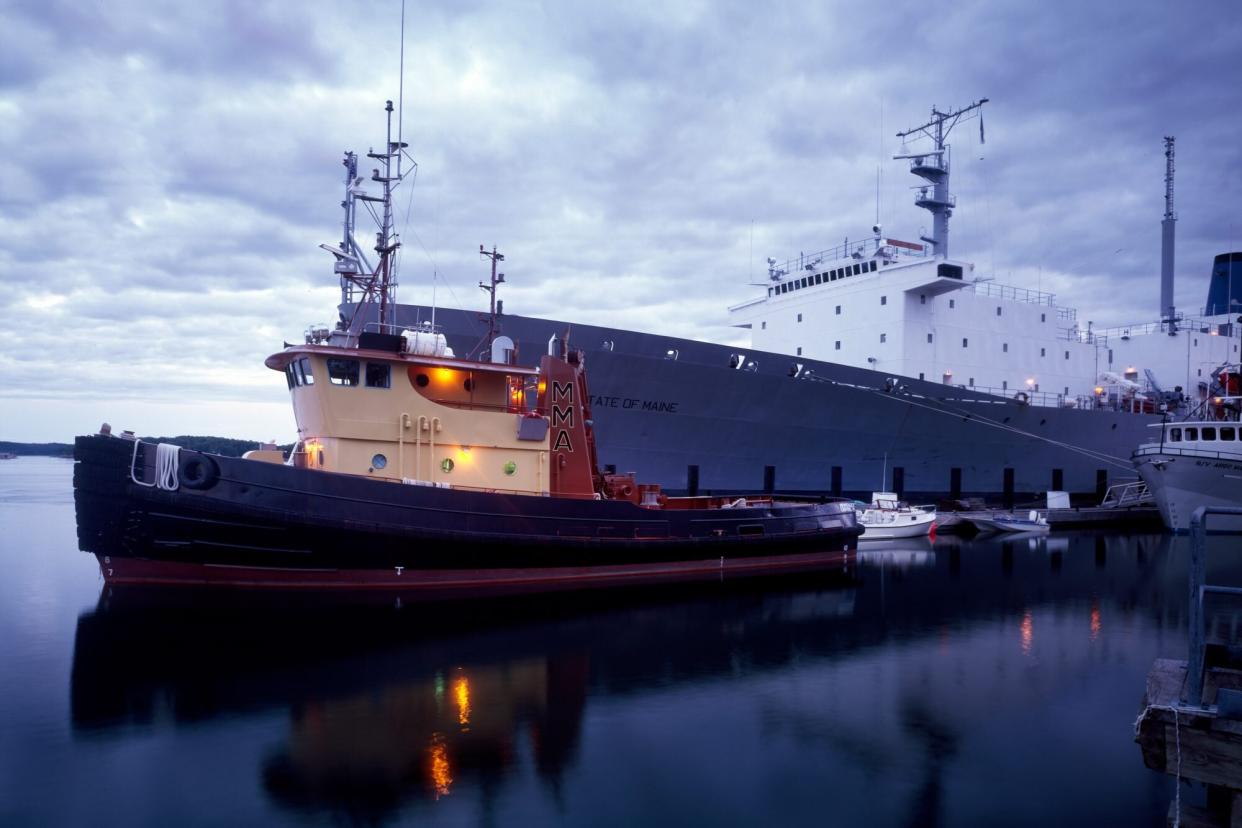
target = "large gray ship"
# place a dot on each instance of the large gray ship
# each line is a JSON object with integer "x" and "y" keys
{"x": 880, "y": 364}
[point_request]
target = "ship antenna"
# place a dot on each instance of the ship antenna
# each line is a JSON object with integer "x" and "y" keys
{"x": 497, "y": 278}
{"x": 933, "y": 166}
{"x": 401, "y": 85}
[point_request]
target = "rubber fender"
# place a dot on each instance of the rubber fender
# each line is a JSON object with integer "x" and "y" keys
{"x": 197, "y": 471}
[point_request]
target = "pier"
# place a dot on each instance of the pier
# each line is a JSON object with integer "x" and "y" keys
{"x": 1190, "y": 724}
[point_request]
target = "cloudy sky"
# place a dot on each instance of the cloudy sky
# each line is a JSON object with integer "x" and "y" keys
{"x": 168, "y": 169}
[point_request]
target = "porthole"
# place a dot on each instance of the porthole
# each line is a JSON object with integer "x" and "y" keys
{"x": 510, "y": 467}
{"x": 379, "y": 461}
{"x": 446, "y": 465}
{"x": 421, "y": 380}
{"x": 468, "y": 384}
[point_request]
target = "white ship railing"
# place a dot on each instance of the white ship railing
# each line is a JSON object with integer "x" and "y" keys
{"x": 1017, "y": 294}
{"x": 843, "y": 252}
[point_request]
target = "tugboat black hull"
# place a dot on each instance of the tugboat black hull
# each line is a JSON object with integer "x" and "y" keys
{"x": 246, "y": 523}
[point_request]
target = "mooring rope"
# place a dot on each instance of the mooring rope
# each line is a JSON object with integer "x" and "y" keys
{"x": 167, "y": 458}
{"x": 1177, "y": 741}
{"x": 949, "y": 411}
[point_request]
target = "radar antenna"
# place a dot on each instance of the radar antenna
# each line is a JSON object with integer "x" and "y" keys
{"x": 933, "y": 166}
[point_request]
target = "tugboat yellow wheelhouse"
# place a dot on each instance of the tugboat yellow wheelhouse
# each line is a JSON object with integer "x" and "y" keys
{"x": 419, "y": 471}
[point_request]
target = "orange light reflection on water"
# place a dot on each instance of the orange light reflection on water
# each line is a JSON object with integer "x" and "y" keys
{"x": 461, "y": 692}
{"x": 1027, "y": 632}
{"x": 1095, "y": 620}
{"x": 441, "y": 776}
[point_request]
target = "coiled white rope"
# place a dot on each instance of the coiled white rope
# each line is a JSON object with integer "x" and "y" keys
{"x": 167, "y": 457}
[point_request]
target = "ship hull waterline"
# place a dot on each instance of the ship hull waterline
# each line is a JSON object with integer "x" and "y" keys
{"x": 266, "y": 525}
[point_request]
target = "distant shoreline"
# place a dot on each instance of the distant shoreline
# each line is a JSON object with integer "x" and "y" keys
{"x": 226, "y": 446}
{"x": 36, "y": 449}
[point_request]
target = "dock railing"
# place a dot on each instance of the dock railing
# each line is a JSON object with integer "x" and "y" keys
{"x": 1198, "y": 590}
{"x": 1121, "y": 495}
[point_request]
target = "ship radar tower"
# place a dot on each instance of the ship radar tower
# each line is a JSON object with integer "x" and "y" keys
{"x": 365, "y": 285}
{"x": 933, "y": 166}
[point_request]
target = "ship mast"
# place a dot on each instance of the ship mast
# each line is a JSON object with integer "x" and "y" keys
{"x": 362, "y": 284}
{"x": 490, "y": 287}
{"x": 933, "y": 166}
{"x": 1168, "y": 231}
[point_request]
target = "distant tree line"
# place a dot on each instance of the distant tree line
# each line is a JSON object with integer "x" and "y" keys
{"x": 37, "y": 449}
{"x": 226, "y": 446}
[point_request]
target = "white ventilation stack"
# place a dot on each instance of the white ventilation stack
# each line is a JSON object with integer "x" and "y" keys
{"x": 1167, "y": 232}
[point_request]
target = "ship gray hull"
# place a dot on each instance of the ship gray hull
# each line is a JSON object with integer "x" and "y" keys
{"x": 670, "y": 409}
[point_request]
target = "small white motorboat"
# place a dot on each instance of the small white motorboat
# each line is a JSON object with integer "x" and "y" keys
{"x": 1034, "y": 523}
{"x": 886, "y": 518}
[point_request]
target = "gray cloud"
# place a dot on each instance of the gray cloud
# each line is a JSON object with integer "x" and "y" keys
{"x": 168, "y": 169}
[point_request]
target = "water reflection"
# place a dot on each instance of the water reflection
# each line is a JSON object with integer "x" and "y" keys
{"x": 881, "y": 688}
{"x": 902, "y": 552}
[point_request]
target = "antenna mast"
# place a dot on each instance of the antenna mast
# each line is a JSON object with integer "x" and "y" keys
{"x": 497, "y": 278}
{"x": 933, "y": 166}
{"x": 1168, "y": 233}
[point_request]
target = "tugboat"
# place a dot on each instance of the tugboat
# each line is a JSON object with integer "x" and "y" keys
{"x": 419, "y": 471}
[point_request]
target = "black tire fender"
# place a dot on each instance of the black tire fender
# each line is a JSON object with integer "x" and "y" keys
{"x": 197, "y": 471}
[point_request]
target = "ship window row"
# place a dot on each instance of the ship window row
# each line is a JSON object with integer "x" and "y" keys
{"x": 298, "y": 373}
{"x": 347, "y": 372}
{"x": 826, "y": 276}
{"x": 1225, "y": 433}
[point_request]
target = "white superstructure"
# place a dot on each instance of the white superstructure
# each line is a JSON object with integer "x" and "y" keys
{"x": 910, "y": 310}
{"x": 880, "y": 305}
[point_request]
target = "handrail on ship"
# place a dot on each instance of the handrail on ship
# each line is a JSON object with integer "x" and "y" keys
{"x": 843, "y": 252}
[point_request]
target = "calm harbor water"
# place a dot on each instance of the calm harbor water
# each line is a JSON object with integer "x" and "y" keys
{"x": 962, "y": 683}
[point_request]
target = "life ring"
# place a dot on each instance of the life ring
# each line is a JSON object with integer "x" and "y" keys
{"x": 1021, "y": 397}
{"x": 627, "y": 490}
{"x": 197, "y": 471}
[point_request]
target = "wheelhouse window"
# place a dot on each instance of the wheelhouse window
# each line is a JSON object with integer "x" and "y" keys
{"x": 379, "y": 375}
{"x": 1192, "y": 434}
{"x": 343, "y": 371}
{"x": 1175, "y": 435}
{"x": 298, "y": 373}
{"x": 1207, "y": 433}
{"x": 1228, "y": 433}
